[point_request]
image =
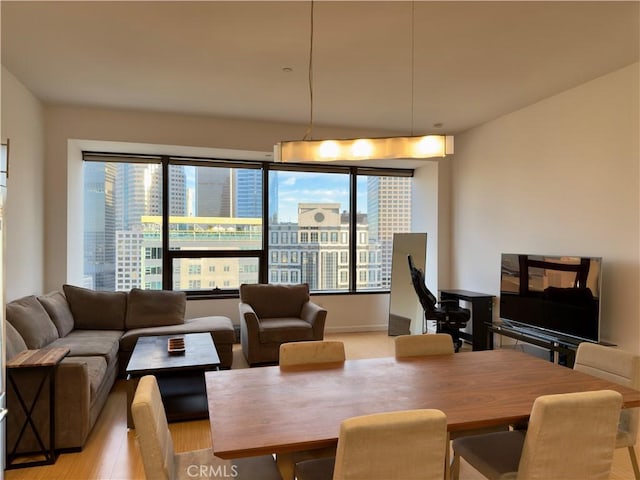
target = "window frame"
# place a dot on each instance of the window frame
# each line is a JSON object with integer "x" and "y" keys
{"x": 169, "y": 255}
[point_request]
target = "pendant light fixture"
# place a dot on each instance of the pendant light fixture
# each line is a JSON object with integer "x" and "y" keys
{"x": 382, "y": 148}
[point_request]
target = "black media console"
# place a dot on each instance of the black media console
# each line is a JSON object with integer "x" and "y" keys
{"x": 481, "y": 316}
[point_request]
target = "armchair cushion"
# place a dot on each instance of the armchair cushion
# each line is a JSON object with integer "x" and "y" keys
{"x": 274, "y": 301}
{"x": 282, "y": 330}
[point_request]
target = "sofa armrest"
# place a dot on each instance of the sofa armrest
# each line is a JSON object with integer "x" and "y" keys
{"x": 72, "y": 395}
{"x": 249, "y": 317}
{"x": 249, "y": 327}
{"x": 315, "y": 315}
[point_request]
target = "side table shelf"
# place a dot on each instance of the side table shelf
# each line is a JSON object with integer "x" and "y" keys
{"x": 41, "y": 366}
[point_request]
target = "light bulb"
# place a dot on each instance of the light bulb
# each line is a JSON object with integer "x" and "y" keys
{"x": 362, "y": 148}
{"x": 329, "y": 149}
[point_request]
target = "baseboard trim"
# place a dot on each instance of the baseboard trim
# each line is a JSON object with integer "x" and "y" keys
{"x": 357, "y": 328}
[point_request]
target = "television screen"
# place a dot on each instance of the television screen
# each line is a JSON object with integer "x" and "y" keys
{"x": 559, "y": 294}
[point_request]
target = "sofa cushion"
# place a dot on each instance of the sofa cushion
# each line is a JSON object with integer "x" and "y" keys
{"x": 155, "y": 308}
{"x": 89, "y": 343}
{"x": 13, "y": 341}
{"x": 96, "y": 310}
{"x": 270, "y": 301}
{"x": 30, "y": 319}
{"x": 58, "y": 309}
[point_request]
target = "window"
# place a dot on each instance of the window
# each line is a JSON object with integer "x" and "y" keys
{"x": 307, "y": 201}
{"x": 211, "y": 234}
{"x": 216, "y": 220}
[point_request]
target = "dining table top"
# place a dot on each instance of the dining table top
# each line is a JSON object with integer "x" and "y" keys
{"x": 281, "y": 410}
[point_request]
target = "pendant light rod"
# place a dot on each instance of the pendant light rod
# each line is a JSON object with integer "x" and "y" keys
{"x": 358, "y": 149}
{"x": 413, "y": 57}
{"x": 309, "y": 133}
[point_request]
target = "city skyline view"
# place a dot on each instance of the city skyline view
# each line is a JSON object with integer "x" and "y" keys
{"x": 218, "y": 210}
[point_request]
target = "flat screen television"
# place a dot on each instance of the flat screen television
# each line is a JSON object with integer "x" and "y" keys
{"x": 556, "y": 294}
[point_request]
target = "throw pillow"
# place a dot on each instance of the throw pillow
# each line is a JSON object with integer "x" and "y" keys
{"x": 96, "y": 310}
{"x": 58, "y": 309}
{"x": 30, "y": 319}
{"x": 14, "y": 342}
{"x": 155, "y": 308}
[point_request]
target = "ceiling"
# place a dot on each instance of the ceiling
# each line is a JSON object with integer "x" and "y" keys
{"x": 462, "y": 63}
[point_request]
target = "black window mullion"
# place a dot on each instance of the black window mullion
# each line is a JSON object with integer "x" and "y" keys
{"x": 263, "y": 266}
{"x": 353, "y": 233}
{"x": 167, "y": 261}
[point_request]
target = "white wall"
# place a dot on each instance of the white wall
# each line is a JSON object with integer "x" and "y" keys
{"x": 23, "y": 125}
{"x": 558, "y": 177}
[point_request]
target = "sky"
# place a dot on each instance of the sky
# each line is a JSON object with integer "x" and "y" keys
{"x": 307, "y": 187}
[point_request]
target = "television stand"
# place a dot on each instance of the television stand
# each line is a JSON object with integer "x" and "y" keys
{"x": 562, "y": 348}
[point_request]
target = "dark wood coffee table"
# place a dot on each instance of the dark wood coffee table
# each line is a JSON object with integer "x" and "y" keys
{"x": 180, "y": 376}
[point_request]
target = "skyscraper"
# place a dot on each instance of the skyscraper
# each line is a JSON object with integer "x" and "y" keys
{"x": 213, "y": 192}
{"x": 99, "y": 225}
{"x": 389, "y": 212}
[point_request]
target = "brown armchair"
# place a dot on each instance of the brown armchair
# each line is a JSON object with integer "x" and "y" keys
{"x": 274, "y": 314}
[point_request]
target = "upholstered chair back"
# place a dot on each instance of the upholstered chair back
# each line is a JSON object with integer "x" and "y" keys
{"x": 619, "y": 367}
{"x": 303, "y": 353}
{"x": 427, "y": 344}
{"x": 275, "y": 301}
{"x": 152, "y": 430}
{"x": 571, "y": 436}
{"x": 407, "y": 444}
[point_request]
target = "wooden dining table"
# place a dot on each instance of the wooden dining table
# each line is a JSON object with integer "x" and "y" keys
{"x": 283, "y": 410}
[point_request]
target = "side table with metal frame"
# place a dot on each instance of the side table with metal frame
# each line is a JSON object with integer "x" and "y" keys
{"x": 43, "y": 364}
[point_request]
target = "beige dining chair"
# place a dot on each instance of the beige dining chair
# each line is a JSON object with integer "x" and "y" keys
{"x": 400, "y": 445}
{"x": 570, "y": 436}
{"x": 310, "y": 353}
{"x": 622, "y": 368}
{"x": 160, "y": 460}
{"x": 303, "y": 353}
{"x": 426, "y": 344}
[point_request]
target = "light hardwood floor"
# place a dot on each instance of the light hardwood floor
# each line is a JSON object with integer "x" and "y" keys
{"x": 111, "y": 452}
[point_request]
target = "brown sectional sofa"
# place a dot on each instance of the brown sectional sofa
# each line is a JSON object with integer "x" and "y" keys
{"x": 100, "y": 329}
